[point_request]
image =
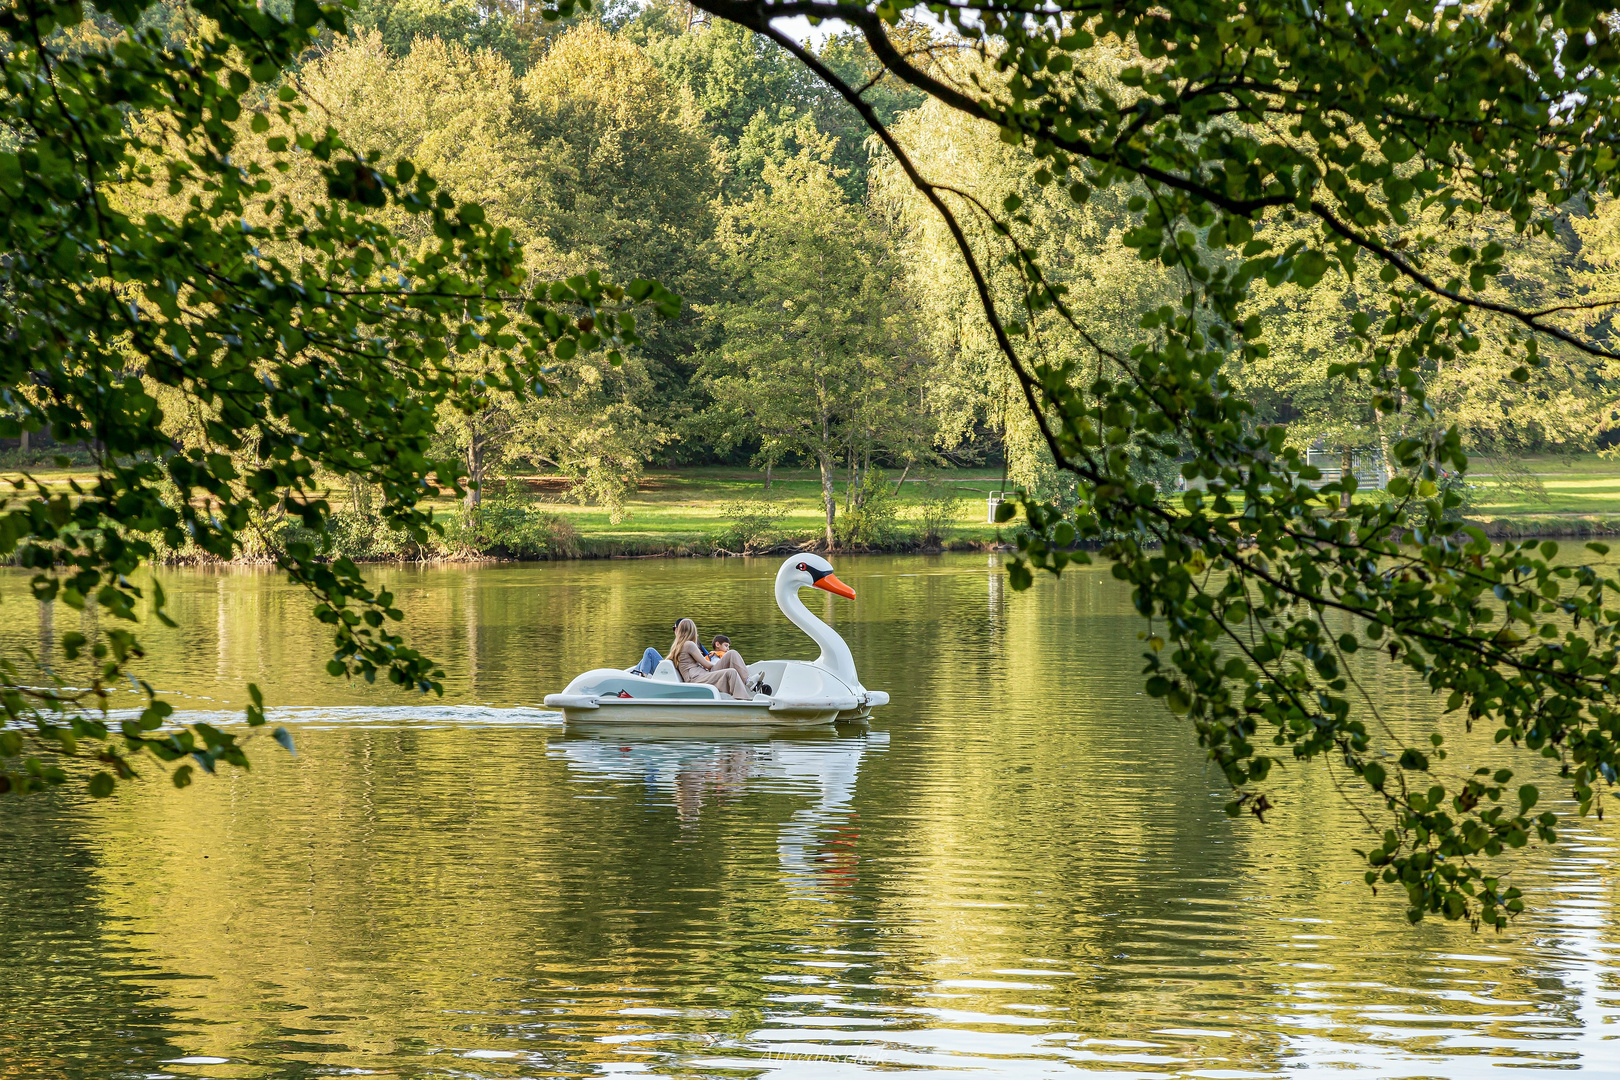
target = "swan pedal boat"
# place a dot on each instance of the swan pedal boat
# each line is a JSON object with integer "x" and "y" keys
{"x": 804, "y": 694}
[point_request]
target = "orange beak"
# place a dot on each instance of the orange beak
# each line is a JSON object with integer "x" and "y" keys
{"x": 834, "y": 586}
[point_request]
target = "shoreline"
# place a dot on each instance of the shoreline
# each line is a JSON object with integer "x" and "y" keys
{"x": 1498, "y": 529}
{"x": 673, "y": 551}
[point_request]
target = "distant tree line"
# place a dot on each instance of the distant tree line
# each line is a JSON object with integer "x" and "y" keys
{"x": 826, "y": 323}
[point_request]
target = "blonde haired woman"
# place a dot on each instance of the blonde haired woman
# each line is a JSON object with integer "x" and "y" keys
{"x": 727, "y": 673}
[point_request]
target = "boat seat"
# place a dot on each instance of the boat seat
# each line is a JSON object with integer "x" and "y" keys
{"x": 633, "y": 686}
{"x": 666, "y": 672}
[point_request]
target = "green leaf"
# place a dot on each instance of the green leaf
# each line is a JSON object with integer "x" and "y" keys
{"x": 1019, "y": 577}
{"x": 73, "y": 643}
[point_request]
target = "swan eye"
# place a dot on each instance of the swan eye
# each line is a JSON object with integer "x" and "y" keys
{"x": 803, "y": 567}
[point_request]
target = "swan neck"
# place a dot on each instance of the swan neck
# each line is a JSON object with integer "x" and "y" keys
{"x": 835, "y": 655}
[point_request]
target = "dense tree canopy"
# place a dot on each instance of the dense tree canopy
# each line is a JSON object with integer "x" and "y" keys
{"x": 590, "y": 164}
{"x": 972, "y": 387}
{"x": 399, "y": 23}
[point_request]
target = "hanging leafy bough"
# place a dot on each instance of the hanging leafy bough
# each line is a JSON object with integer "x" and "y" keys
{"x": 1370, "y": 124}
{"x": 293, "y": 340}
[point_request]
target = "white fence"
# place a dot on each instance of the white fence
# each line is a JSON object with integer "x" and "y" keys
{"x": 1368, "y": 467}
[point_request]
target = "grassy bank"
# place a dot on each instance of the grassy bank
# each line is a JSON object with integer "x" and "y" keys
{"x": 686, "y": 510}
{"x": 692, "y": 510}
{"x": 1586, "y": 485}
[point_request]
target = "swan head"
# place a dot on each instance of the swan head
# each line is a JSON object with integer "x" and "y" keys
{"x": 814, "y": 571}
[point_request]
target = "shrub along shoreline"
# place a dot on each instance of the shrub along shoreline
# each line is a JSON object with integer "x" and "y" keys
{"x": 552, "y": 538}
{"x": 569, "y": 547}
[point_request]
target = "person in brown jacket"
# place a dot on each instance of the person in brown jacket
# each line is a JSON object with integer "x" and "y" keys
{"x": 724, "y": 671}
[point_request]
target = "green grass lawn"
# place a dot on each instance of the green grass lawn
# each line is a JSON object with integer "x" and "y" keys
{"x": 684, "y": 508}
{"x": 1550, "y": 465}
{"x": 1583, "y": 485}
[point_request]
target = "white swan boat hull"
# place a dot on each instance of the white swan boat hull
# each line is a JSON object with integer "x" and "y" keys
{"x": 727, "y": 714}
{"x": 805, "y": 696}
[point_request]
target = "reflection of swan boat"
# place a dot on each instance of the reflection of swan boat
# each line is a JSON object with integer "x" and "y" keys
{"x": 659, "y": 757}
{"x": 801, "y": 693}
{"x": 695, "y": 769}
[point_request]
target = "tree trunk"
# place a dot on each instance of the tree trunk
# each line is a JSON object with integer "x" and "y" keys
{"x": 475, "y": 471}
{"x": 47, "y": 632}
{"x": 768, "y": 465}
{"x": 1387, "y": 461}
{"x": 902, "y": 481}
{"x": 827, "y": 497}
{"x": 1347, "y": 467}
{"x": 22, "y": 443}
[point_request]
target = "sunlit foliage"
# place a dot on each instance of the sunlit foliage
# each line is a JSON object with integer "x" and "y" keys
{"x": 296, "y": 336}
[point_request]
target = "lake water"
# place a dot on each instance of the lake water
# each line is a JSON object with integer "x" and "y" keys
{"x": 1021, "y": 869}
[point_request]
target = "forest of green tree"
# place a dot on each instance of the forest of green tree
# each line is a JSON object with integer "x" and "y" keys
{"x": 826, "y": 321}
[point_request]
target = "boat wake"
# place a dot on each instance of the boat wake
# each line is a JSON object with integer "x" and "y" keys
{"x": 421, "y": 717}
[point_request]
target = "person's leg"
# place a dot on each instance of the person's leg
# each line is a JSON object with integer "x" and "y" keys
{"x": 733, "y": 684}
{"x": 742, "y": 669}
{"x": 649, "y": 662}
{"x": 727, "y": 681}
{"x": 733, "y": 660}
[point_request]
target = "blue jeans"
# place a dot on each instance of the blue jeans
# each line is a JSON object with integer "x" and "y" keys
{"x": 649, "y": 662}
